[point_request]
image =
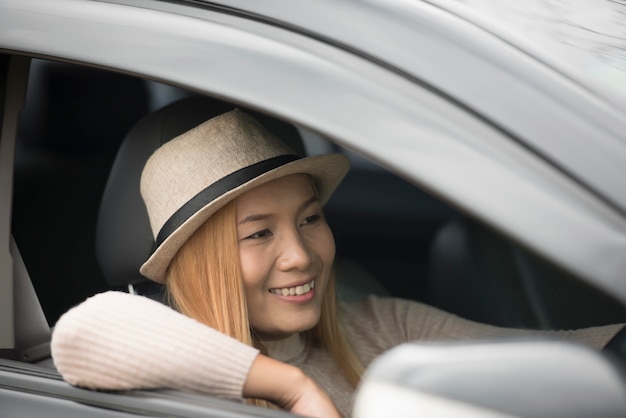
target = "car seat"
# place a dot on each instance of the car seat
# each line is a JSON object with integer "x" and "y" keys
{"x": 124, "y": 240}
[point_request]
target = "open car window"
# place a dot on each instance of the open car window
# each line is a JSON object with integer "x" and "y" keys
{"x": 412, "y": 244}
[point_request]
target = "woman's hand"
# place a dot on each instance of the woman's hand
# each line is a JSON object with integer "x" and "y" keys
{"x": 288, "y": 387}
{"x": 309, "y": 400}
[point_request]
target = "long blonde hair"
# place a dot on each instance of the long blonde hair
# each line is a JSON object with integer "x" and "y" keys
{"x": 200, "y": 280}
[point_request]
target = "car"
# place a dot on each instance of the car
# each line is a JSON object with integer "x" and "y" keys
{"x": 488, "y": 150}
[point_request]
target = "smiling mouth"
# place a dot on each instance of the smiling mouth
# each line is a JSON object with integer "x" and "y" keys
{"x": 294, "y": 291}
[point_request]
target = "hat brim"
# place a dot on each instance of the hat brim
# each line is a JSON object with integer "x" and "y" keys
{"x": 327, "y": 170}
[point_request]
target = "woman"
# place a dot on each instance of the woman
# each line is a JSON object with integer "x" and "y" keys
{"x": 245, "y": 252}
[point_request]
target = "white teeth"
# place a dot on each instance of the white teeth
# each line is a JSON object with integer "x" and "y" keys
{"x": 297, "y": 290}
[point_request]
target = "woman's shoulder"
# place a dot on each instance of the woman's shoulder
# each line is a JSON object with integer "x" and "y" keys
{"x": 377, "y": 324}
{"x": 385, "y": 308}
{"x": 400, "y": 320}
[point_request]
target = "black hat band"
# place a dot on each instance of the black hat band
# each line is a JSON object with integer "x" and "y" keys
{"x": 217, "y": 189}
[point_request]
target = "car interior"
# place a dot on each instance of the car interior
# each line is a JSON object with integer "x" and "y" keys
{"x": 80, "y": 227}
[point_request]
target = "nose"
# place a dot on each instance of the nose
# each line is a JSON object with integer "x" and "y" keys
{"x": 295, "y": 254}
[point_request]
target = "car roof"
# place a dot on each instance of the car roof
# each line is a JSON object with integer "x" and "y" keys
{"x": 582, "y": 39}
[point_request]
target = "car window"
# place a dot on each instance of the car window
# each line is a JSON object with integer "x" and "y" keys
{"x": 410, "y": 243}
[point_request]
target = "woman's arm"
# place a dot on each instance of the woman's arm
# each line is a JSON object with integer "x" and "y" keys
{"x": 434, "y": 324}
{"x": 393, "y": 321}
{"x": 288, "y": 387}
{"x": 117, "y": 341}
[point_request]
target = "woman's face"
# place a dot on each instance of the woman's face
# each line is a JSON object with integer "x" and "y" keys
{"x": 286, "y": 250}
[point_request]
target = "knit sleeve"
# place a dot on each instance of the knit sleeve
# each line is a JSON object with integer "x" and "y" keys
{"x": 117, "y": 341}
{"x": 427, "y": 322}
{"x": 388, "y": 322}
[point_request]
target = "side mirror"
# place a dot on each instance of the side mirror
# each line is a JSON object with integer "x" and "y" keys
{"x": 492, "y": 379}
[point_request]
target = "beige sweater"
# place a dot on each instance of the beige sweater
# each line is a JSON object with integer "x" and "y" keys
{"x": 119, "y": 341}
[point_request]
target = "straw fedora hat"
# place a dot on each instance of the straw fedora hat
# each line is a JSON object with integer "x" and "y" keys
{"x": 190, "y": 177}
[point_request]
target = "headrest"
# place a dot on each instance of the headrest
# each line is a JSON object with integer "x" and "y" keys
{"x": 123, "y": 237}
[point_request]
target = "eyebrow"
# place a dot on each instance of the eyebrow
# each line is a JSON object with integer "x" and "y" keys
{"x": 260, "y": 216}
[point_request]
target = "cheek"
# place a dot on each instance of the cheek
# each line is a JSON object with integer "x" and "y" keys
{"x": 252, "y": 268}
{"x": 325, "y": 243}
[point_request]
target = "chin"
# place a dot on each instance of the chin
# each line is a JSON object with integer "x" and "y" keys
{"x": 303, "y": 326}
{"x": 292, "y": 328}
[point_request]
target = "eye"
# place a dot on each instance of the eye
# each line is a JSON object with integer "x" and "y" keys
{"x": 311, "y": 219}
{"x": 260, "y": 234}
